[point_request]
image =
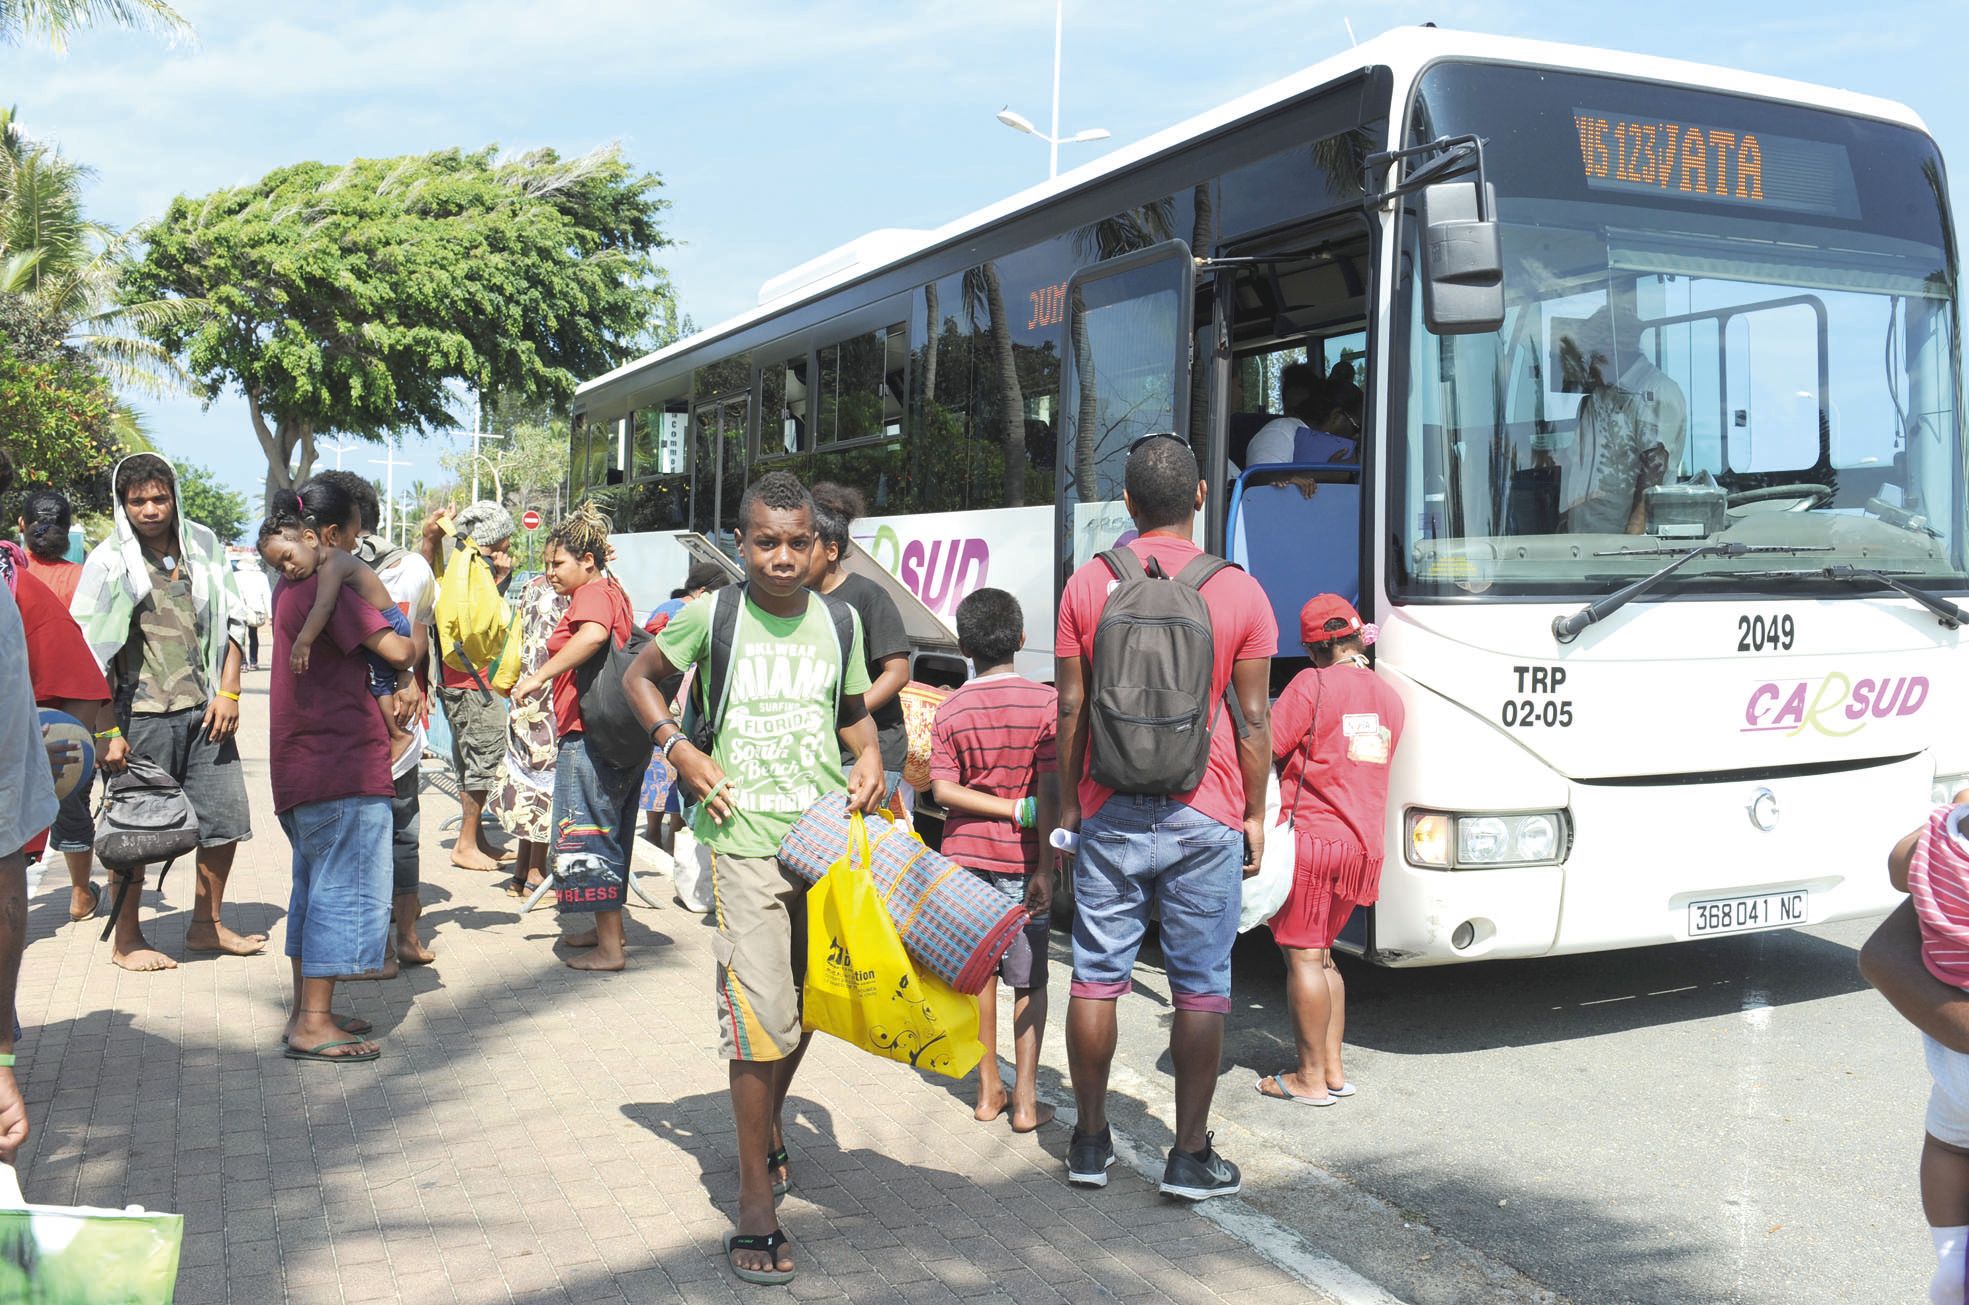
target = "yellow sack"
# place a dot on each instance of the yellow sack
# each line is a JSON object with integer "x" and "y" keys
{"x": 475, "y": 624}
{"x": 863, "y": 988}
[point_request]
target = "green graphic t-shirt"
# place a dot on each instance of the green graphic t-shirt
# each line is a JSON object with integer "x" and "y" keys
{"x": 777, "y": 740}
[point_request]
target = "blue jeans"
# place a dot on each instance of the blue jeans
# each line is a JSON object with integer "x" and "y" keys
{"x": 339, "y": 910}
{"x": 594, "y": 825}
{"x": 1141, "y": 852}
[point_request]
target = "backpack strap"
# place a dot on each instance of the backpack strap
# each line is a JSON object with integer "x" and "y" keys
{"x": 843, "y": 617}
{"x": 1126, "y": 563}
{"x": 715, "y": 684}
{"x": 1200, "y": 569}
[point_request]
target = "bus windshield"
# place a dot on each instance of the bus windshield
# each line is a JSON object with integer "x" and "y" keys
{"x": 1727, "y": 319}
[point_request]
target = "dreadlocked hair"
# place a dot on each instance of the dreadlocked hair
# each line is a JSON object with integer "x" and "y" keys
{"x": 584, "y": 530}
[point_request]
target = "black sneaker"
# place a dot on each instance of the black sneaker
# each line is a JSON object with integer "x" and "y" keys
{"x": 1200, "y": 1175}
{"x": 1088, "y": 1158}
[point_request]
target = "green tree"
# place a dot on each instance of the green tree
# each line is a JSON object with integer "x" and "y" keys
{"x": 203, "y": 499}
{"x": 57, "y": 19}
{"x": 350, "y": 298}
{"x": 58, "y": 416}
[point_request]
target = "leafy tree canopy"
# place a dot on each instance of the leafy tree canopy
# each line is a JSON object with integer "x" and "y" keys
{"x": 203, "y": 499}
{"x": 60, "y": 423}
{"x": 354, "y": 298}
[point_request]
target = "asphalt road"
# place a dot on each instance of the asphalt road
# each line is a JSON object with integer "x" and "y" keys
{"x": 1729, "y": 1121}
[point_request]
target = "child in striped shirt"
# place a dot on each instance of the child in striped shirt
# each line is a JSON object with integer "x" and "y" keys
{"x": 1932, "y": 866}
{"x": 993, "y": 770}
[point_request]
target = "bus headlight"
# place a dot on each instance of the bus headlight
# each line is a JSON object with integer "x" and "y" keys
{"x": 1946, "y": 787}
{"x": 1477, "y": 840}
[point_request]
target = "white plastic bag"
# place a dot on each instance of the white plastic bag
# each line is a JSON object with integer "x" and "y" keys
{"x": 691, "y": 872}
{"x": 1266, "y": 891}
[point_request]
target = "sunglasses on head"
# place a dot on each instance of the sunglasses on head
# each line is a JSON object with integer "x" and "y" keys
{"x": 1157, "y": 435}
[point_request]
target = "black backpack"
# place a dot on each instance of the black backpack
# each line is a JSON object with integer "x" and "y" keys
{"x": 608, "y": 722}
{"x": 145, "y": 818}
{"x": 1149, "y": 702}
{"x": 706, "y": 707}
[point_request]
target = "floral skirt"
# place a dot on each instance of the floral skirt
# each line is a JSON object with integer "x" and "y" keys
{"x": 524, "y": 801}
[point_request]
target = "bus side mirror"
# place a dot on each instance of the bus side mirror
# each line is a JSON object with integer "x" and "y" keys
{"x": 1462, "y": 260}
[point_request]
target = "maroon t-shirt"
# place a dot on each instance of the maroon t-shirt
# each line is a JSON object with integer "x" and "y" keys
{"x": 327, "y": 733}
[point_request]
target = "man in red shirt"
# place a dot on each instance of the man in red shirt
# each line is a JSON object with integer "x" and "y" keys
{"x": 1334, "y": 730}
{"x": 1184, "y": 852}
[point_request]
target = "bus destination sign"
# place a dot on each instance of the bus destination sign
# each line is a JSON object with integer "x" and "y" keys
{"x": 1691, "y": 161}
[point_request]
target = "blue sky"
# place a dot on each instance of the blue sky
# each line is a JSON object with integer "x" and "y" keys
{"x": 783, "y": 129}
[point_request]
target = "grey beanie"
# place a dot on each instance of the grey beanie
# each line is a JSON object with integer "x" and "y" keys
{"x": 484, "y": 522}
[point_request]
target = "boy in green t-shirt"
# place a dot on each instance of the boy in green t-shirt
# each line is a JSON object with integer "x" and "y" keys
{"x": 790, "y": 706}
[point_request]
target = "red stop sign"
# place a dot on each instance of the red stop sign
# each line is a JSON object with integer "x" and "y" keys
{"x": 530, "y": 519}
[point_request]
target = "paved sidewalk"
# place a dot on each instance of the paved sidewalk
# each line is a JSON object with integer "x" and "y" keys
{"x": 532, "y": 1134}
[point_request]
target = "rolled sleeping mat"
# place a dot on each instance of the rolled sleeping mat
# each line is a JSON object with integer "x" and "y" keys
{"x": 951, "y": 923}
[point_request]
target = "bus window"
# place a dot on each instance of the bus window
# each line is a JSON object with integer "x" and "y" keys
{"x": 733, "y": 414}
{"x": 855, "y": 399}
{"x": 783, "y": 407}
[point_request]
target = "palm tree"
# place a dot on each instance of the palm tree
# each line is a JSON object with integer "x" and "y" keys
{"x": 61, "y": 271}
{"x": 56, "y": 19}
{"x": 983, "y": 291}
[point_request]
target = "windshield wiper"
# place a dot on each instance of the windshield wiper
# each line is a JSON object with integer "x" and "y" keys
{"x": 1566, "y": 628}
{"x": 1946, "y": 612}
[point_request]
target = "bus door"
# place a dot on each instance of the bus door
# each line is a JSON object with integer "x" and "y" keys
{"x": 1126, "y": 374}
{"x": 1294, "y": 310}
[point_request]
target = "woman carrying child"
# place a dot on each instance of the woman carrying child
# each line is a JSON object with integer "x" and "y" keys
{"x": 594, "y": 812}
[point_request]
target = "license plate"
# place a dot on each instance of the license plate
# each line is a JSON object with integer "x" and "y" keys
{"x": 1746, "y": 914}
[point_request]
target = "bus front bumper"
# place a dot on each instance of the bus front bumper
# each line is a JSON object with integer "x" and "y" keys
{"x": 1655, "y": 863}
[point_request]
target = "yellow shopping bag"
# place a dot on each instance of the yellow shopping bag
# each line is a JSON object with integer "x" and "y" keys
{"x": 863, "y": 988}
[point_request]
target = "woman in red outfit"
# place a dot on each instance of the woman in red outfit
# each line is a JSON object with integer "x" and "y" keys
{"x": 1334, "y": 733}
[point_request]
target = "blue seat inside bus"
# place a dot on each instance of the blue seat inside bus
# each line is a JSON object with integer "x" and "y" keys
{"x": 1293, "y": 545}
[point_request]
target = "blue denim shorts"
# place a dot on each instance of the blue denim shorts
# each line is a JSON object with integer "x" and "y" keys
{"x": 1138, "y": 853}
{"x": 382, "y": 675}
{"x": 594, "y": 828}
{"x": 339, "y": 910}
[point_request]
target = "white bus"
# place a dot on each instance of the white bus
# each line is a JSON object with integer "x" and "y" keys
{"x": 1659, "y": 504}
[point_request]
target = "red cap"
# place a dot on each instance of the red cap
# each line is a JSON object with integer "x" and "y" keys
{"x": 1321, "y": 609}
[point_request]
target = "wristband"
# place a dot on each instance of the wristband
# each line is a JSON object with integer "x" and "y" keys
{"x": 1026, "y": 812}
{"x": 113, "y": 732}
{"x": 671, "y": 742}
{"x": 656, "y": 728}
{"x": 6, "y": 1060}
{"x": 224, "y": 694}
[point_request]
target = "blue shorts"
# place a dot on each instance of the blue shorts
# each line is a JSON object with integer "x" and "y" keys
{"x": 1137, "y": 853}
{"x": 593, "y": 827}
{"x": 339, "y": 910}
{"x": 382, "y": 675}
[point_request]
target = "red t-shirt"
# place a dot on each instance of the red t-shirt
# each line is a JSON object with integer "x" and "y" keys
{"x": 1242, "y": 629}
{"x": 601, "y": 602}
{"x": 327, "y": 733}
{"x": 997, "y": 736}
{"x": 1336, "y": 731}
{"x": 59, "y": 662}
{"x": 61, "y": 576}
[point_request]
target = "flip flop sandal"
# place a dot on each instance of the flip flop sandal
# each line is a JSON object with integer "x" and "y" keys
{"x": 780, "y": 1160}
{"x": 1289, "y": 1095}
{"x": 1344, "y": 1090}
{"x": 767, "y": 1244}
{"x": 355, "y": 1026}
{"x": 316, "y": 1053}
{"x": 95, "y": 905}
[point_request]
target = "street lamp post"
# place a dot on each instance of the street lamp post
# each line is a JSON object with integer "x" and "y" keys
{"x": 389, "y": 462}
{"x": 1019, "y": 122}
{"x": 338, "y": 448}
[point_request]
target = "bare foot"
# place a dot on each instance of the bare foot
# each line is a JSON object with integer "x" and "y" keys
{"x": 213, "y": 936}
{"x": 1030, "y": 1118}
{"x": 412, "y": 951}
{"x": 505, "y": 855}
{"x": 471, "y": 859}
{"x": 587, "y": 939}
{"x": 143, "y": 959}
{"x": 599, "y": 961}
{"x": 991, "y": 1100}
